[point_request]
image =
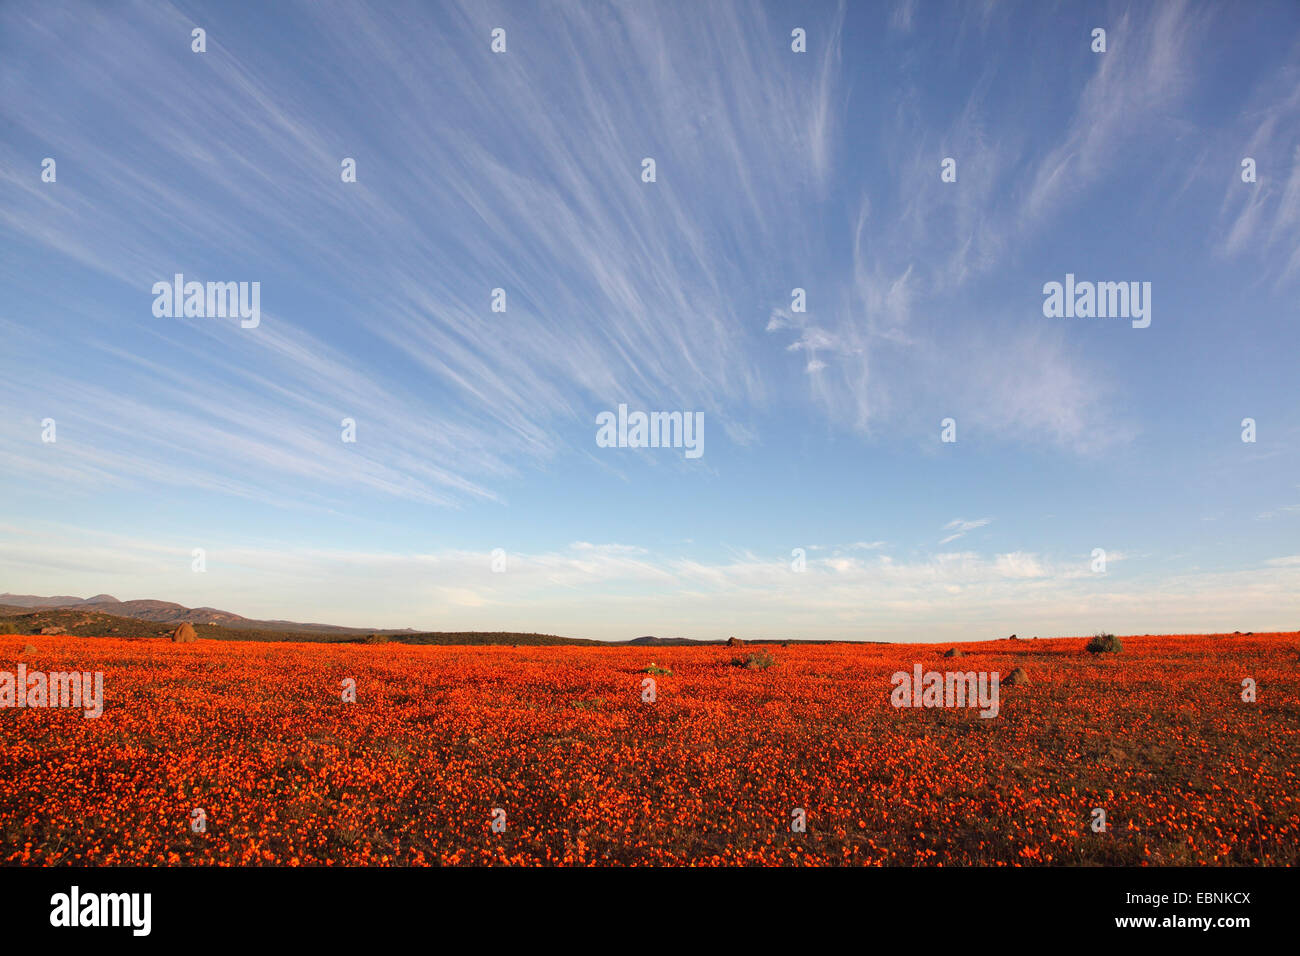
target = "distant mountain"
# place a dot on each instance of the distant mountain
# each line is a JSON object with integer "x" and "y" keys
{"x": 168, "y": 612}
{"x": 87, "y": 620}
{"x": 105, "y": 615}
{"x": 172, "y": 614}
{"x": 658, "y": 641}
{"x": 31, "y": 600}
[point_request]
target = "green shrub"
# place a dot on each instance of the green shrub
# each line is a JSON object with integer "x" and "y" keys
{"x": 656, "y": 670}
{"x": 1105, "y": 644}
{"x": 758, "y": 661}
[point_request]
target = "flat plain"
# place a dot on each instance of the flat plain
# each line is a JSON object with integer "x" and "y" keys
{"x": 561, "y": 747}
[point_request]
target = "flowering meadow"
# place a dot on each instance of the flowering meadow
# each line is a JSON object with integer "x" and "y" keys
{"x": 247, "y": 753}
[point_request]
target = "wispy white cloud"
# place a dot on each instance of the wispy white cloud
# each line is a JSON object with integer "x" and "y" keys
{"x": 1146, "y": 69}
{"x": 1263, "y": 217}
{"x": 559, "y": 216}
{"x": 960, "y": 527}
{"x": 522, "y": 172}
{"x": 615, "y": 591}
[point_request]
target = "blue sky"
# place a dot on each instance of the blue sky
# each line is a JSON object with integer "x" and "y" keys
{"x": 775, "y": 170}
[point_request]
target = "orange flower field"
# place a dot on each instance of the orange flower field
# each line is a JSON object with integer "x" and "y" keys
{"x": 560, "y": 747}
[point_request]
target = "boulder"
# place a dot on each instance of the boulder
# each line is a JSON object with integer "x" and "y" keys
{"x": 29, "y": 649}
{"x": 953, "y": 652}
{"x": 1017, "y": 676}
{"x": 184, "y": 634}
{"x": 52, "y": 629}
{"x": 735, "y": 642}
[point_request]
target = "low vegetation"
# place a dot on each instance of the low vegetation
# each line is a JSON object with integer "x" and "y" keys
{"x": 758, "y": 661}
{"x": 1105, "y": 644}
{"x": 589, "y": 771}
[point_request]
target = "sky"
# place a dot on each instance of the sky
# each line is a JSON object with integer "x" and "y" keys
{"x": 1098, "y": 479}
